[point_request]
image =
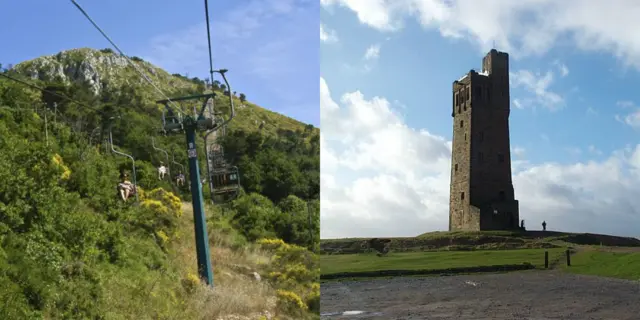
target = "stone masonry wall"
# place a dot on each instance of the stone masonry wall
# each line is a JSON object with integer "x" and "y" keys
{"x": 481, "y": 157}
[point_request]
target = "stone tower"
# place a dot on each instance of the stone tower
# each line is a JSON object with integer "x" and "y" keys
{"x": 481, "y": 194}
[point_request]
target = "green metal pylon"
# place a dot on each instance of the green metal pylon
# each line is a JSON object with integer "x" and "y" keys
{"x": 199, "y": 217}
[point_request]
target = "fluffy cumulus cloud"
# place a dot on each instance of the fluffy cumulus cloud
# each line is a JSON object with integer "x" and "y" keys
{"x": 537, "y": 86}
{"x": 372, "y": 53}
{"x": 380, "y": 177}
{"x": 632, "y": 116}
{"x": 524, "y": 27}
{"x": 327, "y": 35}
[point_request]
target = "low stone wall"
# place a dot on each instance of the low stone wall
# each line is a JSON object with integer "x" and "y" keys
{"x": 399, "y": 273}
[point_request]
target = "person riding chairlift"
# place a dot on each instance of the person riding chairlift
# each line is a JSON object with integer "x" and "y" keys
{"x": 125, "y": 187}
{"x": 180, "y": 179}
{"x": 162, "y": 171}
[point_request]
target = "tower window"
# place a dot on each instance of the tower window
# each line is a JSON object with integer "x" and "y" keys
{"x": 464, "y": 107}
{"x": 455, "y": 167}
{"x": 480, "y": 157}
{"x": 469, "y": 93}
{"x": 502, "y": 196}
{"x": 461, "y": 123}
{"x": 462, "y": 196}
{"x": 465, "y": 137}
{"x": 500, "y": 157}
{"x": 456, "y": 100}
{"x": 459, "y": 110}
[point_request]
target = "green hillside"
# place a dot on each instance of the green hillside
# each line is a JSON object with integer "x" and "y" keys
{"x": 69, "y": 249}
{"x": 474, "y": 240}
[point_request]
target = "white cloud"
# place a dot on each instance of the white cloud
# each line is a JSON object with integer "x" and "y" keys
{"x": 562, "y": 68}
{"x": 537, "y": 85}
{"x": 525, "y": 27}
{"x": 327, "y": 35}
{"x": 564, "y": 71}
{"x": 372, "y": 12}
{"x": 521, "y": 103}
{"x": 625, "y": 104}
{"x": 381, "y": 178}
{"x": 593, "y": 150}
{"x": 372, "y": 53}
{"x": 518, "y": 151}
{"x": 632, "y": 118}
{"x": 378, "y": 168}
{"x": 575, "y": 151}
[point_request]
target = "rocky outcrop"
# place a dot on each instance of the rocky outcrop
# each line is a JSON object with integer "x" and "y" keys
{"x": 93, "y": 68}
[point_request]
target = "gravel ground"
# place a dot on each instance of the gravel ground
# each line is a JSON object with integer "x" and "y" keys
{"x": 518, "y": 295}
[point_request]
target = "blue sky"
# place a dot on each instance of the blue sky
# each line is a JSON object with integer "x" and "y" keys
{"x": 574, "y": 120}
{"x": 270, "y": 47}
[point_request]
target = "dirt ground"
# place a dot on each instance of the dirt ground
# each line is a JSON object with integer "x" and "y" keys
{"x": 519, "y": 296}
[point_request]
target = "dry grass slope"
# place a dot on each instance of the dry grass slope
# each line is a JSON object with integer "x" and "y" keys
{"x": 236, "y": 294}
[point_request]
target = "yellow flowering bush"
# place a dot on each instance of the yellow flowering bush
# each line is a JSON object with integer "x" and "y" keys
{"x": 141, "y": 193}
{"x": 293, "y": 268}
{"x": 160, "y": 211}
{"x": 190, "y": 283}
{"x": 66, "y": 172}
{"x": 154, "y": 205}
{"x": 271, "y": 243}
{"x": 164, "y": 239}
{"x": 290, "y": 302}
{"x": 168, "y": 199}
{"x": 313, "y": 299}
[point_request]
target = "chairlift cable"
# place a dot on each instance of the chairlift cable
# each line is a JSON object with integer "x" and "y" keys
{"x": 33, "y": 86}
{"x": 206, "y": 12}
{"x": 125, "y": 56}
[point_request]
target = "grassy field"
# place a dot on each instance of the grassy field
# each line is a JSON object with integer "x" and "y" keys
{"x": 433, "y": 260}
{"x": 624, "y": 265}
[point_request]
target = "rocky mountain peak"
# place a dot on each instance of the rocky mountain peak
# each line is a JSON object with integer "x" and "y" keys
{"x": 86, "y": 66}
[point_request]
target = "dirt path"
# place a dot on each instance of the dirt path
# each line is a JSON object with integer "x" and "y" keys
{"x": 518, "y": 296}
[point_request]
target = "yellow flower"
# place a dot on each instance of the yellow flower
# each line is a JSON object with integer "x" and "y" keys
{"x": 290, "y": 299}
{"x": 171, "y": 201}
{"x": 191, "y": 282}
{"x": 66, "y": 172}
{"x": 164, "y": 239}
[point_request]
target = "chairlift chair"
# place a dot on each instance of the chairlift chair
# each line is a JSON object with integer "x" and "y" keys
{"x": 226, "y": 184}
{"x": 134, "y": 190}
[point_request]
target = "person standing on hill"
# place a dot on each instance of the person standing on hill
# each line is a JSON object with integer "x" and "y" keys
{"x": 544, "y": 226}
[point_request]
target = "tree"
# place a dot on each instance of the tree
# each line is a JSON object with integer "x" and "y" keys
{"x": 243, "y": 98}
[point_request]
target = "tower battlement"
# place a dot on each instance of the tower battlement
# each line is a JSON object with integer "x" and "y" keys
{"x": 481, "y": 190}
